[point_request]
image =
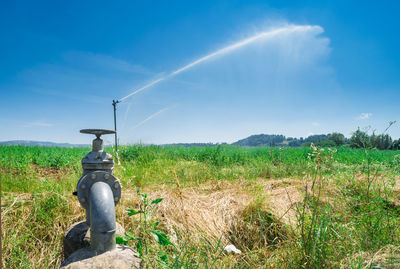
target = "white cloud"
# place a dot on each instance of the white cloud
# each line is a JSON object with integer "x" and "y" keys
{"x": 364, "y": 116}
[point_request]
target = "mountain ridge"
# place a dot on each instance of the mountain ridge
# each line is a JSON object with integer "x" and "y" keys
{"x": 41, "y": 143}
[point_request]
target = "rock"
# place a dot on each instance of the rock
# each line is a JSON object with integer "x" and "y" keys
{"x": 232, "y": 249}
{"x": 122, "y": 257}
{"x": 78, "y": 236}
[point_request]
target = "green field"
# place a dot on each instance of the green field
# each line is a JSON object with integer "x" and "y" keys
{"x": 282, "y": 207}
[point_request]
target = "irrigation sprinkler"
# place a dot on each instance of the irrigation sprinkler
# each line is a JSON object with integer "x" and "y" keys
{"x": 244, "y": 42}
{"x": 114, "y": 103}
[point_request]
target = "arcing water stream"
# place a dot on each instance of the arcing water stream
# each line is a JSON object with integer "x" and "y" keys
{"x": 152, "y": 116}
{"x": 237, "y": 45}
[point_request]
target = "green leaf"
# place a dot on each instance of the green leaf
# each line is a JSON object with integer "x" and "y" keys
{"x": 130, "y": 236}
{"x": 121, "y": 241}
{"x": 163, "y": 258}
{"x": 156, "y": 201}
{"x": 155, "y": 224}
{"x": 161, "y": 237}
{"x": 139, "y": 246}
{"x": 132, "y": 212}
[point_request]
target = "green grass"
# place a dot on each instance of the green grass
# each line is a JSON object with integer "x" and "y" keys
{"x": 19, "y": 157}
{"x": 349, "y": 213}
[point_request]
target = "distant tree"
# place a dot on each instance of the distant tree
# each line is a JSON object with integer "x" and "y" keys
{"x": 337, "y": 138}
{"x": 386, "y": 141}
{"x": 347, "y": 141}
{"x": 382, "y": 141}
{"x": 396, "y": 145}
{"x": 306, "y": 144}
{"x": 261, "y": 140}
{"x": 325, "y": 143}
{"x": 374, "y": 140}
{"x": 294, "y": 143}
{"x": 360, "y": 139}
{"x": 316, "y": 138}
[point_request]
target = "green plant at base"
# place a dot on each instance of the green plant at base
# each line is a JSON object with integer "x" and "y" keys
{"x": 148, "y": 229}
{"x": 314, "y": 220}
{"x": 375, "y": 215}
{"x": 396, "y": 163}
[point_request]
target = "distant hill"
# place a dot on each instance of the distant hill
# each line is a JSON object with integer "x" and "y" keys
{"x": 283, "y": 141}
{"x": 261, "y": 140}
{"x": 41, "y": 143}
{"x": 270, "y": 140}
{"x": 357, "y": 140}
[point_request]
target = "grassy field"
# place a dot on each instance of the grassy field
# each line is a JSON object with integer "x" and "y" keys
{"x": 283, "y": 208}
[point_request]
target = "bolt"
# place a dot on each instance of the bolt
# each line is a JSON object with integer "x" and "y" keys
{"x": 116, "y": 185}
{"x": 82, "y": 200}
{"x": 83, "y": 186}
{"x": 93, "y": 176}
{"x": 116, "y": 199}
{"x": 106, "y": 176}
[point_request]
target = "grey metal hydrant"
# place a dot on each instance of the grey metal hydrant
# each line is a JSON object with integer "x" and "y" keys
{"x": 98, "y": 192}
{"x": 91, "y": 243}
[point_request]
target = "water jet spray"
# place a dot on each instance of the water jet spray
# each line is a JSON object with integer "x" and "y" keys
{"x": 230, "y": 48}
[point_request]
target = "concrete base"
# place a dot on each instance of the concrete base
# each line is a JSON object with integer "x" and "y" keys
{"x": 122, "y": 257}
{"x": 78, "y": 236}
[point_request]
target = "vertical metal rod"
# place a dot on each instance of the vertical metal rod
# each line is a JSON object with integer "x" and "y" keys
{"x": 114, "y": 103}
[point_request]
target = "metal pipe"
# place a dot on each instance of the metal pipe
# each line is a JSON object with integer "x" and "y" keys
{"x": 102, "y": 218}
{"x": 114, "y": 103}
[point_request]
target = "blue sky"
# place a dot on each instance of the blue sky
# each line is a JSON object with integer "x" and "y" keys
{"x": 62, "y": 64}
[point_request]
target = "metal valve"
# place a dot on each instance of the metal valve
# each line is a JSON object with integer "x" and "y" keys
{"x": 97, "y": 132}
{"x": 97, "y": 159}
{"x": 98, "y": 192}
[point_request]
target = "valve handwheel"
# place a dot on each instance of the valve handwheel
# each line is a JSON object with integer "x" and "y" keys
{"x": 97, "y": 132}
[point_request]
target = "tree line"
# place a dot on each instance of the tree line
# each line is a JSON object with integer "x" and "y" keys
{"x": 358, "y": 139}
{"x": 361, "y": 139}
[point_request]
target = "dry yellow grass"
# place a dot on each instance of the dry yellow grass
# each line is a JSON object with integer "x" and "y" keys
{"x": 39, "y": 243}
{"x": 197, "y": 211}
{"x": 212, "y": 211}
{"x": 282, "y": 197}
{"x": 387, "y": 257}
{"x": 218, "y": 210}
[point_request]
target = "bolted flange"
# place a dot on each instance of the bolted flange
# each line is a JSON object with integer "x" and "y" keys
{"x": 86, "y": 182}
